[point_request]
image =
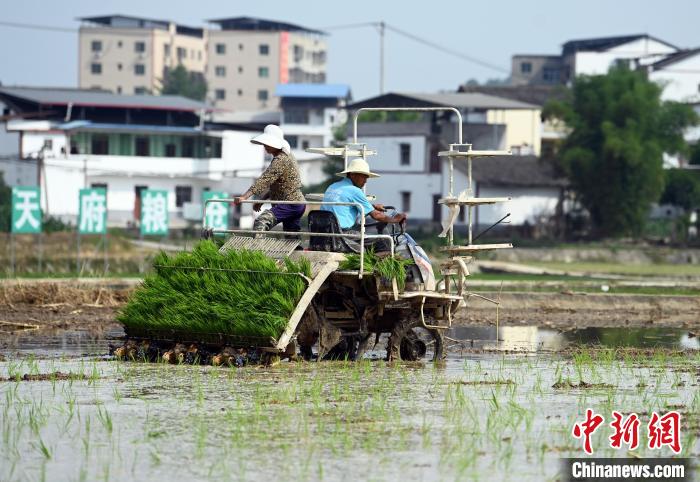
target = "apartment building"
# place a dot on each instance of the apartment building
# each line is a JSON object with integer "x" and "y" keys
{"x": 248, "y": 57}
{"x": 593, "y": 56}
{"x": 129, "y": 55}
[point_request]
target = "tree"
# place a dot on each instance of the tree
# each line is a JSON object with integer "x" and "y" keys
{"x": 5, "y": 205}
{"x": 682, "y": 188}
{"x": 619, "y": 130}
{"x": 179, "y": 81}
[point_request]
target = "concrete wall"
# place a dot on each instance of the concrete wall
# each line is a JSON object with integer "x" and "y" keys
{"x": 389, "y": 151}
{"x": 18, "y": 172}
{"x": 242, "y": 61}
{"x": 538, "y": 64}
{"x": 527, "y": 205}
{"x": 118, "y": 57}
{"x": 681, "y": 80}
{"x": 598, "y": 63}
{"x": 523, "y": 127}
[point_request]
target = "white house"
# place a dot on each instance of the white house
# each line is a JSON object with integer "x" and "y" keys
{"x": 679, "y": 73}
{"x": 126, "y": 144}
{"x": 592, "y": 56}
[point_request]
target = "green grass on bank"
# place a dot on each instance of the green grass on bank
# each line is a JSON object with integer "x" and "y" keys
{"x": 623, "y": 269}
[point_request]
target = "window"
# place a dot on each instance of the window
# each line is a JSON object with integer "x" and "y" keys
{"x": 263, "y": 72}
{"x": 140, "y": 90}
{"x": 240, "y": 46}
{"x": 220, "y": 71}
{"x": 550, "y": 74}
{"x": 119, "y": 44}
{"x": 240, "y": 92}
{"x": 304, "y": 144}
{"x": 220, "y": 49}
{"x": 48, "y": 144}
{"x": 99, "y": 144}
{"x": 139, "y": 69}
{"x": 405, "y": 153}
{"x": 293, "y": 141}
{"x": 96, "y": 46}
{"x": 220, "y": 94}
{"x": 434, "y": 162}
{"x": 188, "y": 147}
{"x": 262, "y": 94}
{"x": 405, "y": 201}
{"x": 525, "y": 67}
{"x": 199, "y": 55}
{"x": 119, "y": 66}
{"x": 119, "y": 89}
{"x": 181, "y": 53}
{"x": 240, "y": 69}
{"x": 296, "y": 116}
{"x": 96, "y": 68}
{"x": 98, "y": 185}
{"x": 170, "y": 150}
{"x": 166, "y": 50}
{"x": 142, "y": 146}
{"x": 183, "y": 194}
{"x": 140, "y": 47}
{"x": 264, "y": 49}
{"x": 298, "y": 53}
{"x": 437, "y": 209}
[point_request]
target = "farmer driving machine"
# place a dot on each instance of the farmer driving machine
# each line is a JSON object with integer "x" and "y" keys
{"x": 258, "y": 296}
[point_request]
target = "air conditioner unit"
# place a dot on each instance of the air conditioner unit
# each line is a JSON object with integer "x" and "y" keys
{"x": 192, "y": 211}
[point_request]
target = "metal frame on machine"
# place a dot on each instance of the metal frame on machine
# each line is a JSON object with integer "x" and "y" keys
{"x": 457, "y": 151}
{"x": 362, "y": 236}
{"x": 456, "y": 265}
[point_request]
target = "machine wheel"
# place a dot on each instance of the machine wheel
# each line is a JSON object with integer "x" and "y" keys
{"x": 410, "y": 341}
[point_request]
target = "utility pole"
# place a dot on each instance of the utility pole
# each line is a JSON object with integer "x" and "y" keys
{"x": 382, "y": 26}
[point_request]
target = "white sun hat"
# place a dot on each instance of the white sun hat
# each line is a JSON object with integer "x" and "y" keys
{"x": 272, "y": 136}
{"x": 358, "y": 166}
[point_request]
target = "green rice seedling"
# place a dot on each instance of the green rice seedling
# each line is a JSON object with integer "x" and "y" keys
{"x": 239, "y": 293}
{"x": 389, "y": 267}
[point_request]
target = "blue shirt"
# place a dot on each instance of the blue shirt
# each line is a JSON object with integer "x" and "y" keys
{"x": 345, "y": 191}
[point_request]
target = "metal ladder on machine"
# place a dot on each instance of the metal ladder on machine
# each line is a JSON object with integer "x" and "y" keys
{"x": 460, "y": 255}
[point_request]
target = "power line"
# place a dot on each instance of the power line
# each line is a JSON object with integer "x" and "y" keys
{"x": 32, "y": 26}
{"x": 447, "y": 50}
{"x": 423, "y": 41}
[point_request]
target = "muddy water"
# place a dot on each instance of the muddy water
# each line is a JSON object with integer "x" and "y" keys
{"x": 485, "y": 414}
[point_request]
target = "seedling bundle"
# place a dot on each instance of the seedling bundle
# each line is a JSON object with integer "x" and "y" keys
{"x": 389, "y": 267}
{"x": 204, "y": 292}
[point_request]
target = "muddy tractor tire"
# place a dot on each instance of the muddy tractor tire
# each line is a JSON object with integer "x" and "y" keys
{"x": 411, "y": 341}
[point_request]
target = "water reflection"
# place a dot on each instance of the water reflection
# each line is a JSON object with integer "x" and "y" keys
{"x": 61, "y": 342}
{"x": 533, "y": 338}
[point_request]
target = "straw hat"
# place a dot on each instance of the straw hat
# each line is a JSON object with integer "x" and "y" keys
{"x": 358, "y": 166}
{"x": 272, "y": 136}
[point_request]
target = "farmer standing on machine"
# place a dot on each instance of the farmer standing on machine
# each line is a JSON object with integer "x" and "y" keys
{"x": 279, "y": 182}
{"x": 350, "y": 190}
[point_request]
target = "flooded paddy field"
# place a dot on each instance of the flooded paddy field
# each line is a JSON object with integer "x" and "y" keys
{"x": 502, "y": 406}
